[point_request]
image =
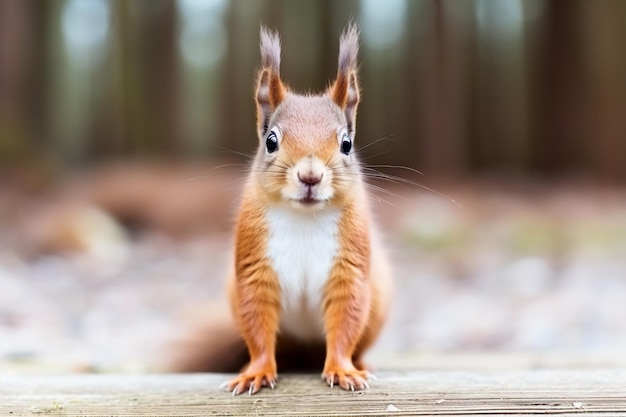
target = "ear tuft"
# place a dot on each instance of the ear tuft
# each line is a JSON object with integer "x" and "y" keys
{"x": 349, "y": 49}
{"x": 345, "y": 90}
{"x": 270, "y": 91}
{"x": 270, "y": 50}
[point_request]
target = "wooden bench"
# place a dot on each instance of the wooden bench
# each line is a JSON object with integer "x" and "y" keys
{"x": 397, "y": 393}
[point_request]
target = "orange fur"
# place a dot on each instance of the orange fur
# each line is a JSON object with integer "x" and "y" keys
{"x": 347, "y": 301}
{"x": 277, "y": 90}
{"x": 340, "y": 90}
{"x": 254, "y": 296}
{"x": 355, "y": 293}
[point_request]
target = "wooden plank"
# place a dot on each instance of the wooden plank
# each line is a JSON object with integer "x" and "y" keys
{"x": 564, "y": 392}
{"x": 490, "y": 361}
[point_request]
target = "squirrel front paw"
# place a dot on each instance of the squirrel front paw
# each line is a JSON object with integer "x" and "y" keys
{"x": 251, "y": 382}
{"x": 350, "y": 379}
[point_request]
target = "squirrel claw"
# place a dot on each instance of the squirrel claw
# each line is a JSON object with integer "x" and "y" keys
{"x": 349, "y": 380}
{"x": 251, "y": 382}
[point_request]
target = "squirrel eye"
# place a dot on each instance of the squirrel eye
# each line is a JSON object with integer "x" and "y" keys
{"x": 271, "y": 143}
{"x": 346, "y": 144}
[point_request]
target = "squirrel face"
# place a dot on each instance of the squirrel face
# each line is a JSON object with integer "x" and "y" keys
{"x": 305, "y": 156}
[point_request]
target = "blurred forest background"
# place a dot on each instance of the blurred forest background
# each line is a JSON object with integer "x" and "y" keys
{"x": 515, "y": 109}
{"x": 464, "y": 87}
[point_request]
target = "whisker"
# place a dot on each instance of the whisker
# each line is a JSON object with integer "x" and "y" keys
{"x": 377, "y": 174}
{"x": 379, "y": 200}
{"x": 290, "y": 162}
{"x": 388, "y": 137}
{"x": 370, "y": 172}
{"x": 385, "y": 191}
{"x": 375, "y": 155}
{"x": 282, "y": 165}
{"x": 217, "y": 174}
{"x": 201, "y": 177}
{"x": 245, "y": 155}
{"x": 376, "y": 197}
{"x": 230, "y": 165}
{"x": 439, "y": 193}
{"x": 241, "y": 173}
{"x": 269, "y": 171}
{"x": 397, "y": 167}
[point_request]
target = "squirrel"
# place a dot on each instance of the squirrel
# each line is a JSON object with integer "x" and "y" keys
{"x": 311, "y": 283}
{"x": 307, "y": 265}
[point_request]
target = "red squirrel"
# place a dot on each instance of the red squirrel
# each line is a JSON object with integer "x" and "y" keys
{"x": 308, "y": 267}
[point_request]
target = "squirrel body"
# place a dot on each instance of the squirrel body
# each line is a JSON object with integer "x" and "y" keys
{"x": 308, "y": 266}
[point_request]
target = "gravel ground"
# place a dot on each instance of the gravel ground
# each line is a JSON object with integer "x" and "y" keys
{"x": 540, "y": 269}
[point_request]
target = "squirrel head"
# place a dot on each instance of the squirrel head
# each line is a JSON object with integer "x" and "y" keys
{"x": 306, "y": 157}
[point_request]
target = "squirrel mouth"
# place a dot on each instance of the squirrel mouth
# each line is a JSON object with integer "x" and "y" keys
{"x": 308, "y": 201}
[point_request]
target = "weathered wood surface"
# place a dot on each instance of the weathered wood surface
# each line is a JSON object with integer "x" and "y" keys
{"x": 410, "y": 393}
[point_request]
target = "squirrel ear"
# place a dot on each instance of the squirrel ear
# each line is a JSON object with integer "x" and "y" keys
{"x": 270, "y": 91}
{"x": 345, "y": 89}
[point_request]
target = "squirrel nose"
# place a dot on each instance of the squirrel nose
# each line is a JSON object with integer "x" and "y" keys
{"x": 309, "y": 179}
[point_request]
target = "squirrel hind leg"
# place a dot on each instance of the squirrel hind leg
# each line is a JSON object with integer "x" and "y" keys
{"x": 370, "y": 335}
{"x": 381, "y": 294}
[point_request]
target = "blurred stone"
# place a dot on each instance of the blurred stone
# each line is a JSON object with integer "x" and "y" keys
{"x": 528, "y": 277}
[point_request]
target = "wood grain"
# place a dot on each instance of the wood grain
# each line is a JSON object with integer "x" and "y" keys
{"x": 563, "y": 392}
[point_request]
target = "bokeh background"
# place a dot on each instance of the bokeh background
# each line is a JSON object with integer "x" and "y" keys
{"x": 126, "y": 127}
{"x": 465, "y": 87}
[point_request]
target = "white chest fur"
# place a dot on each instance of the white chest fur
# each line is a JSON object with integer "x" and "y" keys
{"x": 302, "y": 247}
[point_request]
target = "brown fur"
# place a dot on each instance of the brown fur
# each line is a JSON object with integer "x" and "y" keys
{"x": 310, "y": 130}
{"x": 254, "y": 293}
